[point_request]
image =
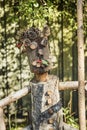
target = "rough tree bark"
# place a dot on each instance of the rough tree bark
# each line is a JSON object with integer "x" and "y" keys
{"x": 14, "y": 97}
{"x": 46, "y": 112}
{"x": 46, "y": 104}
{"x": 81, "y": 76}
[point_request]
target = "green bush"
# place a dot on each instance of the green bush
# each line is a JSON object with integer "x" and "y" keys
{"x": 69, "y": 117}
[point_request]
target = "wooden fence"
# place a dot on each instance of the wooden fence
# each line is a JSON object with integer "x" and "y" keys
{"x": 70, "y": 85}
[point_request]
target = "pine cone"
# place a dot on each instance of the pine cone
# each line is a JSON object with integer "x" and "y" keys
{"x": 33, "y": 33}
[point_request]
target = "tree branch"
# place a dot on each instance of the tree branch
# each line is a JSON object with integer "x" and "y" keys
{"x": 13, "y": 97}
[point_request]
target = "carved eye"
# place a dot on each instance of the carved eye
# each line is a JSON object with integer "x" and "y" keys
{"x": 33, "y": 45}
{"x": 44, "y": 42}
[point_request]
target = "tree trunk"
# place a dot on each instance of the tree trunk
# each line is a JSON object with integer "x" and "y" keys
{"x": 81, "y": 76}
{"x": 45, "y": 104}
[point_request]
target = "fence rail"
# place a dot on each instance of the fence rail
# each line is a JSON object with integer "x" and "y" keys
{"x": 69, "y": 85}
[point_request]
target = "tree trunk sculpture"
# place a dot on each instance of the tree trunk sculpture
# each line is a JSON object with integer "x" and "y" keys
{"x": 46, "y": 104}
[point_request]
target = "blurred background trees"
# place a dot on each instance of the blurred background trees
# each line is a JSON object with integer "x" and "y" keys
{"x": 16, "y": 16}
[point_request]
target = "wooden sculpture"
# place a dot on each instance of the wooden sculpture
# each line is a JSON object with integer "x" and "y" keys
{"x": 46, "y": 104}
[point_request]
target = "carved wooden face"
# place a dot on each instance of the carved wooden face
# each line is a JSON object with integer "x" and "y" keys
{"x": 36, "y": 44}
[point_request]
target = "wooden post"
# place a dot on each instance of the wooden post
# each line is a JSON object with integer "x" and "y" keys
{"x": 2, "y": 122}
{"x": 81, "y": 76}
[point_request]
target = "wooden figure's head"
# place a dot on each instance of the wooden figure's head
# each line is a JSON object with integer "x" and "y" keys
{"x": 36, "y": 44}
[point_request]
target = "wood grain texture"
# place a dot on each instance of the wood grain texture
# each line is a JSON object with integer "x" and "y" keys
{"x": 39, "y": 98}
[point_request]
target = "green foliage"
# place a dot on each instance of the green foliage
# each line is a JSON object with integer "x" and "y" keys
{"x": 69, "y": 117}
{"x": 18, "y": 128}
{"x": 17, "y": 15}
